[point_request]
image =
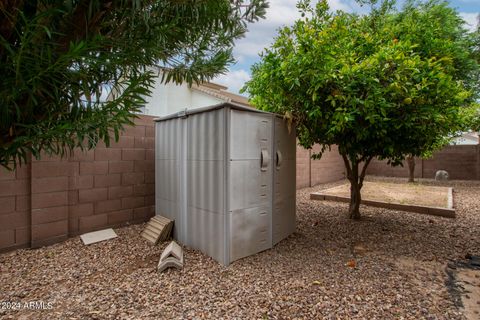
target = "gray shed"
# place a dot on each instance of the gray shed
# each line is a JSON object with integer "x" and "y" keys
{"x": 226, "y": 175}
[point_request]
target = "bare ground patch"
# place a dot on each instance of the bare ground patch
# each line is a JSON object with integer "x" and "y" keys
{"x": 470, "y": 281}
{"x": 401, "y": 193}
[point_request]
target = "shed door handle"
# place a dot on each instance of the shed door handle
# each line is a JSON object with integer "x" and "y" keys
{"x": 264, "y": 160}
{"x": 279, "y": 159}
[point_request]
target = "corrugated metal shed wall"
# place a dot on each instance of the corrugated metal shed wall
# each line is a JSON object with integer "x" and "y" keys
{"x": 206, "y": 183}
{"x": 169, "y": 172}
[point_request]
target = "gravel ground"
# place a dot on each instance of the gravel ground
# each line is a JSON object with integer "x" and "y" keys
{"x": 391, "y": 264}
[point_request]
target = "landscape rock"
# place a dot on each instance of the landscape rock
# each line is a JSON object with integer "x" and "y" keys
{"x": 441, "y": 175}
{"x": 302, "y": 277}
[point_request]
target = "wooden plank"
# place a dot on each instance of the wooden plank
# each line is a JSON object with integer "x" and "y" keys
{"x": 148, "y": 237}
{"x": 157, "y": 229}
{"x": 161, "y": 219}
{"x": 435, "y": 211}
{"x": 97, "y": 236}
{"x": 151, "y": 233}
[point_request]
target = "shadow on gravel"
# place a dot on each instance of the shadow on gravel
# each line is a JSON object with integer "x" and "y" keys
{"x": 463, "y": 284}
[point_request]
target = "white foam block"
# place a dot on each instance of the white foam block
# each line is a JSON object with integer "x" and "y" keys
{"x": 97, "y": 236}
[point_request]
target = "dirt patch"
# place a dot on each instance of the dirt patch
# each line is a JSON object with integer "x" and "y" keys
{"x": 401, "y": 193}
{"x": 463, "y": 284}
{"x": 470, "y": 280}
{"x": 416, "y": 271}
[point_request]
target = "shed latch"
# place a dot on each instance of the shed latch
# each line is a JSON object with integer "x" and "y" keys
{"x": 279, "y": 159}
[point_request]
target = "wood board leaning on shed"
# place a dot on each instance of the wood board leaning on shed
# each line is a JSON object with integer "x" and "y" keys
{"x": 158, "y": 229}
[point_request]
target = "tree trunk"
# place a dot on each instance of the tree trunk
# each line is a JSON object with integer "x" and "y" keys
{"x": 411, "y": 168}
{"x": 355, "y": 199}
{"x": 356, "y": 183}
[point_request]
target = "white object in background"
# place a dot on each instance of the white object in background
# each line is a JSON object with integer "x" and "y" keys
{"x": 441, "y": 175}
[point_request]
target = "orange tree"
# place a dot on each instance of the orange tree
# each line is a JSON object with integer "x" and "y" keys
{"x": 360, "y": 82}
{"x": 437, "y": 31}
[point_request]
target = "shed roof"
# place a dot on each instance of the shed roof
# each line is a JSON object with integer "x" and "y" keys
{"x": 187, "y": 112}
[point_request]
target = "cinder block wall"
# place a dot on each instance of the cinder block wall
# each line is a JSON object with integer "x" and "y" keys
{"x": 303, "y": 167}
{"x": 15, "y": 207}
{"x": 381, "y": 168}
{"x": 312, "y": 172}
{"x": 461, "y": 161}
{"x": 51, "y": 199}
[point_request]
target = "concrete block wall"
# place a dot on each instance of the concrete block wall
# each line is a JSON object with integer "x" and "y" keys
{"x": 461, "y": 161}
{"x": 312, "y": 172}
{"x": 49, "y": 199}
{"x": 15, "y": 206}
{"x": 381, "y": 168}
{"x": 52, "y": 198}
{"x": 303, "y": 167}
{"x": 329, "y": 168}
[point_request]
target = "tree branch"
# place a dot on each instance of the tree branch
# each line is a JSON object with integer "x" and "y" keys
{"x": 364, "y": 170}
{"x": 347, "y": 165}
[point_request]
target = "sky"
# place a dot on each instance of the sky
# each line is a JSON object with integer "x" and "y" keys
{"x": 284, "y": 12}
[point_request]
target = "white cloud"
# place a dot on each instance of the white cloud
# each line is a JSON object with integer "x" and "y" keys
{"x": 339, "y": 5}
{"x": 280, "y": 13}
{"x": 234, "y": 80}
{"x": 470, "y": 19}
{"x": 261, "y": 34}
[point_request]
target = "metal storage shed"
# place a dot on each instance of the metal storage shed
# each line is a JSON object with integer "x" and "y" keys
{"x": 226, "y": 175}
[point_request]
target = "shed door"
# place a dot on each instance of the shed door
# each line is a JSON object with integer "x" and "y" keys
{"x": 250, "y": 183}
{"x": 284, "y": 178}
